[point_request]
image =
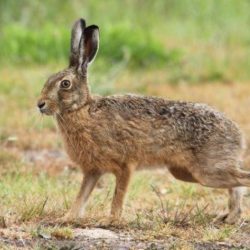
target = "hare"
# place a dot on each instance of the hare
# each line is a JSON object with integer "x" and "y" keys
{"x": 119, "y": 134}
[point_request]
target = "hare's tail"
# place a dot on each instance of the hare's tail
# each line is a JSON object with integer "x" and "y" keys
{"x": 243, "y": 177}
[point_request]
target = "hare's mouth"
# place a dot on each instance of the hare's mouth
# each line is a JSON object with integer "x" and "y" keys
{"x": 47, "y": 111}
{"x": 45, "y": 107}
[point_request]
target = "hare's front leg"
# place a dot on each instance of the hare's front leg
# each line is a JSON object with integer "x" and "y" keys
{"x": 77, "y": 210}
{"x": 122, "y": 181}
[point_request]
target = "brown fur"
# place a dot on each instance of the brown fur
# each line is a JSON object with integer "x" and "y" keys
{"x": 118, "y": 134}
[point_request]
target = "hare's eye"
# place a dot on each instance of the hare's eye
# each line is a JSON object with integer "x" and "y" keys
{"x": 65, "y": 84}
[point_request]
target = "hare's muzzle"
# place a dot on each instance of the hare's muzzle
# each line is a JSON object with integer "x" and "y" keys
{"x": 41, "y": 104}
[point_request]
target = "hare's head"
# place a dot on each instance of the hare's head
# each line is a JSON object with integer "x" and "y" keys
{"x": 67, "y": 90}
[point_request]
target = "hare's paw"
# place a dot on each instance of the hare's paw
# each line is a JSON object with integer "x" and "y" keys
{"x": 220, "y": 218}
{"x": 109, "y": 221}
{"x": 232, "y": 218}
{"x": 64, "y": 220}
{"x": 69, "y": 218}
{"x": 228, "y": 218}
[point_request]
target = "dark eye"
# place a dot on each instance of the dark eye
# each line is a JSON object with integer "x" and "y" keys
{"x": 65, "y": 84}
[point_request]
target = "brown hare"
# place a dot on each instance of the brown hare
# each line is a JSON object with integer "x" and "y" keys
{"x": 119, "y": 134}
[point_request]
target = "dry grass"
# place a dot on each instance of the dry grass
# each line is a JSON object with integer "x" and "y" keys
{"x": 158, "y": 207}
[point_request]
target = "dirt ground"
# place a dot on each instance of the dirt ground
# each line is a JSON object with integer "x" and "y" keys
{"x": 117, "y": 239}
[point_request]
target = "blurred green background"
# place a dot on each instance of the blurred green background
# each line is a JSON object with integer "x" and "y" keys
{"x": 190, "y": 40}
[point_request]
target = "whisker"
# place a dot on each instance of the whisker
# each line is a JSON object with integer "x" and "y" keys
{"x": 33, "y": 116}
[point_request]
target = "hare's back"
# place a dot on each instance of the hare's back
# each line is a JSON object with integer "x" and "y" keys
{"x": 152, "y": 108}
{"x": 193, "y": 124}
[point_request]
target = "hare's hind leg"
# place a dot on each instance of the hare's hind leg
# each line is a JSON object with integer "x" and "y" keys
{"x": 223, "y": 177}
{"x": 232, "y": 178}
{"x": 217, "y": 177}
{"x": 234, "y": 206}
{"x": 243, "y": 177}
{"x": 77, "y": 210}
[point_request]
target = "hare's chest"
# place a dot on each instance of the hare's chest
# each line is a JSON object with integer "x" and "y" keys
{"x": 80, "y": 147}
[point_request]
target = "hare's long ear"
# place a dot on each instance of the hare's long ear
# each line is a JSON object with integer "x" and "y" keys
{"x": 76, "y": 34}
{"x": 89, "y": 45}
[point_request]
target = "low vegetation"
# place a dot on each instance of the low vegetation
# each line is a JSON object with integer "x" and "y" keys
{"x": 191, "y": 50}
{"x": 193, "y": 41}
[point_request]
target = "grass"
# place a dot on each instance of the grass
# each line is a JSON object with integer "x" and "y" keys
{"x": 193, "y": 41}
{"x": 215, "y": 234}
{"x": 139, "y": 49}
{"x": 57, "y": 232}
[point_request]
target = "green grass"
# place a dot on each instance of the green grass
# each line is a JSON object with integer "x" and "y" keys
{"x": 139, "y": 49}
{"x": 218, "y": 234}
{"x": 193, "y": 41}
{"x": 29, "y": 196}
{"x": 34, "y": 201}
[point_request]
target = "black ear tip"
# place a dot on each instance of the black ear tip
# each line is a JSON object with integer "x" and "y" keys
{"x": 80, "y": 22}
{"x": 90, "y": 30}
{"x": 93, "y": 27}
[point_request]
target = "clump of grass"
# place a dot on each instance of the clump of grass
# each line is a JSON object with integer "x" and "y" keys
{"x": 62, "y": 233}
{"x": 20, "y": 44}
{"x": 32, "y": 210}
{"x": 58, "y": 232}
{"x": 181, "y": 214}
{"x": 47, "y": 44}
{"x": 218, "y": 234}
{"x": 138, "y": 46}
{"x": 28, "y": 196}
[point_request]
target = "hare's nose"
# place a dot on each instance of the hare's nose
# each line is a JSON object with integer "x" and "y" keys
{"x": 41, "y": 104}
